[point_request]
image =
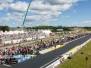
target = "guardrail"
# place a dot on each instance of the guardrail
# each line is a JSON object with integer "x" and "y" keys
{"x": 66, "y": 55}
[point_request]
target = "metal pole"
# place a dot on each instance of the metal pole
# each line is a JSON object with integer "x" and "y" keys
{"x": 26, "y": 13}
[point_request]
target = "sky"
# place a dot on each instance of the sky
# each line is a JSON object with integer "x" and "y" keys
{"x": 45, "y": 12}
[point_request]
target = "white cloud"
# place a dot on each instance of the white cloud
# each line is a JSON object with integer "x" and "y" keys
{"x": 8, "y": 15}
{"x": 4, "y": 20}
{"x": 18, "y": 17}
{"x": 3, "y": 5}
{"x": 65, "y": 16}
{"x": 38, "y": 6}
{"x": 14, "y": 23}
{"x": 55, "y": 19}
{"x": 33, "y": 18}
{"x": 18, "y": 6}
{"x": 65, "y": 7}
{"x": 86, "y": 22}
{"x": 45, "y": 9}
{"x": 37, "y": 18}
{"x": 43, "y": 6}
{"x": 39, "y": 9}
{"x": 51, "y": 13}
{"x": 60, "y": 2}
{"x": 5, "y": 1}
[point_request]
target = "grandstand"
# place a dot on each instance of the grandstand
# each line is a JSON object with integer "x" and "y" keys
{"x": 13, "y": 37}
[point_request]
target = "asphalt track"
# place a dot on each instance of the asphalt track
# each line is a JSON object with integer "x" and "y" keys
{"x": 41, "y": 60}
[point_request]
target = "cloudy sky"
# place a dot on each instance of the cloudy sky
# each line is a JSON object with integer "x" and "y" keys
{"x": 45, "y": 12}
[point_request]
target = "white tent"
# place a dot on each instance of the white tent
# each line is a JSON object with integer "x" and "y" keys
{"x": 13, "y": 32}
{"x": 46, "y": 32}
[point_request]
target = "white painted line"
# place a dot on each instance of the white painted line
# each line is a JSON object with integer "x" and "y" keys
{"x": 6, "y": 65}
{"x": 49, "y": 63}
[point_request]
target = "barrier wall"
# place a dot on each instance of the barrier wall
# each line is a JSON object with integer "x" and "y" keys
{"x": 66, "y": 55}
{"x": 24, "y": 59}
{"x": 41, "y": 37}
{"x": 16, "y": 58}
{"x": 44, "y": 51}
{"x": 28, "y": 39}
{"x": 19, "y": 40}
{"x": 53, "y": 65}
{"x": 50, "y": 49}
{"x": 21, "y": 58}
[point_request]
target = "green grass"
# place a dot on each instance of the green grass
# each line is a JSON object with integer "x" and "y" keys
{"x": 88, "y": 28}
{"x": 79, "y": 60}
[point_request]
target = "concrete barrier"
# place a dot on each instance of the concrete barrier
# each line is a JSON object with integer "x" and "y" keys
{"x": 45, "y": 51}
{"x": 50, "y": 49}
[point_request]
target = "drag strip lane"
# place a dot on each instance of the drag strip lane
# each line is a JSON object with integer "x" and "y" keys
{"x": 41, "y": 60}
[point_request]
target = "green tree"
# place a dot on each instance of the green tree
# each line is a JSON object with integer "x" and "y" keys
{"x": 4, "y": 28}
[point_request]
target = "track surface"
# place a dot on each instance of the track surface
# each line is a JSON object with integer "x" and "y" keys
{"x": 41, "y": 60}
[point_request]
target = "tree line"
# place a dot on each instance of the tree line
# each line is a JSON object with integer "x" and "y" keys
{"x": 4, "y": 28}
{"x": 52, "y": 28}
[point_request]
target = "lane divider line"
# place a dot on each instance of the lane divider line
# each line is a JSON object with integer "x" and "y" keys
{"x": 49, "y": 62}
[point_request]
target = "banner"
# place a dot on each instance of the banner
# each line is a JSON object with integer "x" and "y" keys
{"x": 23, "y": 59}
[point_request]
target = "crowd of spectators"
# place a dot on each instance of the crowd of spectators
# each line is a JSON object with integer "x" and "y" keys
{"x": 34, "y": 48}
{"x": 27, "y": 34}
{"x": 8, "y": 39}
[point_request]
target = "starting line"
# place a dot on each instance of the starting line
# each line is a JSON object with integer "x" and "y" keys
{"x": 6, "y": 65}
